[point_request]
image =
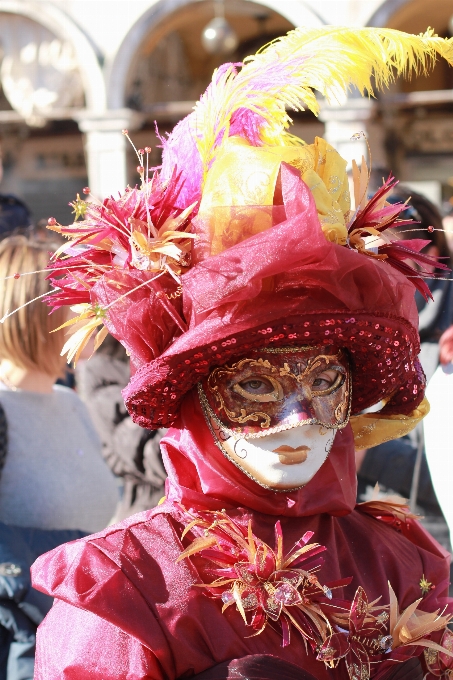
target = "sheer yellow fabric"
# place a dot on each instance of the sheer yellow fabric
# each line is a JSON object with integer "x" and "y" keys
{"x": 244, "y": 175}
{"x": 371, "y": 429}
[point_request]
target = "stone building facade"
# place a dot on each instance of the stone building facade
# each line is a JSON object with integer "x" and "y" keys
{"x": 74, "y": 73}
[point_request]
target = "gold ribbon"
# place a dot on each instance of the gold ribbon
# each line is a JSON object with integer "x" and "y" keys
{"x": 371, "y": 429}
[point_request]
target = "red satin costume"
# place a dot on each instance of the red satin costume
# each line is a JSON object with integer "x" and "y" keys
{"x": 199, "y": 266}
{"x": 125, "y": 609}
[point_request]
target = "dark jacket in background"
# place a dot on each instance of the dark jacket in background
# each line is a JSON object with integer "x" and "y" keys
{"x": 22, "y": 608}
{"x": 131, "y": 452}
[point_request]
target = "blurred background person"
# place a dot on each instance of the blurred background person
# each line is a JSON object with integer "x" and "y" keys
{"x": 54, "y": 474}
{"x": 438, "y": 428}
{"x": 131, "y": 452}
{"x": 436, "y": 315}
{"x": 393, "y": 464}
{"x": 54, "y": 483}
{"x": 448, "y": 224}
{"x": 15, "y": 216}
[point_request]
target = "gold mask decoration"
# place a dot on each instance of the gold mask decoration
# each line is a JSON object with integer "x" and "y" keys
{"x": 278, "y": 389}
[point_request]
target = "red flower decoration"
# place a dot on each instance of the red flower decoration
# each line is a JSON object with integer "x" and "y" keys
{"x": 439, "y": 664}
{"x": 373, "y": 217}
{"x": 141, "y": 232}
{"x": 265, "y": 585}
{"x": 365, "y": 639}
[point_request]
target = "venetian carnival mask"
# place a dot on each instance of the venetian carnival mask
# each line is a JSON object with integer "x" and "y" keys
{"x": 275, "y": 413}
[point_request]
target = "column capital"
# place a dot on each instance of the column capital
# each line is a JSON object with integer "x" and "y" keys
{"x": 112, "y": 120}
{"x": 354, "y": 109}
{"x": 106, "y": 147}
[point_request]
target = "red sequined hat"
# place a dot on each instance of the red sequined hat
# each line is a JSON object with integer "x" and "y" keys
{"x": 245, "y": 239}
{"x": 287, "y": 285}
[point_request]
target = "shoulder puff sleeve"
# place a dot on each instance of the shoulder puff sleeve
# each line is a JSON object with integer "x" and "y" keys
{"x": 110, "y": 595}
{"x": 99, "y": 651}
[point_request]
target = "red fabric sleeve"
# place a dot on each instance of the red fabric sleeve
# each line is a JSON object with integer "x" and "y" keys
{"x": 99, "y": 651}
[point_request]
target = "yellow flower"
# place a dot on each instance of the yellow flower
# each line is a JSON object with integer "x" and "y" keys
{"x": 425, "y": 585}
{"x": 412, "y": 626}
{"x": 80, "y": 208}
{"x": 88, "y": 320}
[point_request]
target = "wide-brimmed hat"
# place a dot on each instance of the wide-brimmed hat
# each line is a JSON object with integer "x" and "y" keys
{"x": 287, "y": 285}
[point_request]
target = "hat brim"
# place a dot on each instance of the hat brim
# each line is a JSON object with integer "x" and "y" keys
{"x": 286, "y": 285}
{"x": 383, "y": 351}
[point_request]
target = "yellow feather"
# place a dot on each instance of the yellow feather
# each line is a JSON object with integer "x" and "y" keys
{"x": 196, "y": 546}
{"x": 285, "y": 74}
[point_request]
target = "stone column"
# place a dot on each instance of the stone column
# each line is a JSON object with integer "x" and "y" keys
{"x": 106, "y": 147}
{"x": 343, "y": 123}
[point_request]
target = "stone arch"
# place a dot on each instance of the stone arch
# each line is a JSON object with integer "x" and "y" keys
{"x": 296, "y": 13}
{"x": 413, "y": 15}
{"x": 59, "y": 23}
{"x": 381, "y": 16}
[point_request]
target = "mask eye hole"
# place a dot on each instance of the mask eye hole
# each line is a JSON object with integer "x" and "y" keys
{"x": 327, "y": 382}
{"x": 259, "y": 388}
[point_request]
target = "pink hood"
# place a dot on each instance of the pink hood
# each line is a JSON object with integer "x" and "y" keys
{"x": 200, "y": 476}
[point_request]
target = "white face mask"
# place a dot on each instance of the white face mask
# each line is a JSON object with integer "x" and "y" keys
{"x": 275, "y": 413}
{"x": 281, "y": 461}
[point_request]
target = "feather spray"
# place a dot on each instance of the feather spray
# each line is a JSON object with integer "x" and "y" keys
{"x": 253, "y": 98}
{"x": 372, "y": 219}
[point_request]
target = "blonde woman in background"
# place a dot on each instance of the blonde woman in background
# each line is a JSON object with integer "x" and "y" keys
{"x": 54, "y": 475}
{"x": 54, "y": 485}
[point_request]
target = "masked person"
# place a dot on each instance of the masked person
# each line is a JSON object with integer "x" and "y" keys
{"x": 262, "y": 319}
